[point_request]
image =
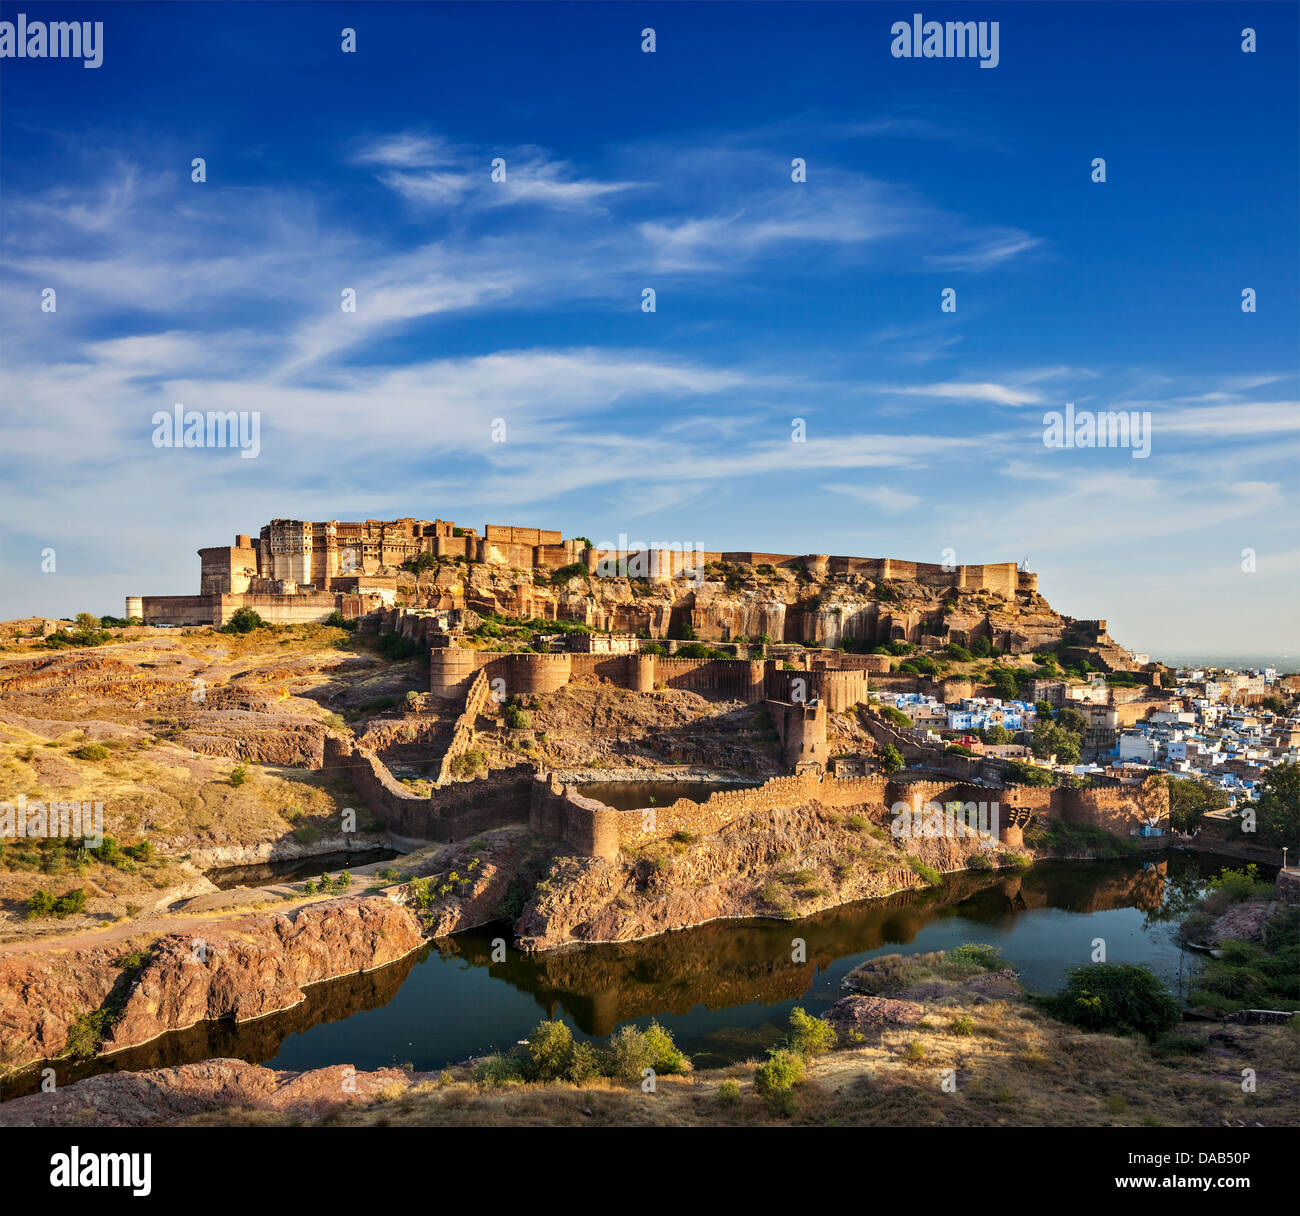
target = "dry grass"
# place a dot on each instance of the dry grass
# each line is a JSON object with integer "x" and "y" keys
{"x": 128, "y": 697}
{"x": 1019, "y": 1069}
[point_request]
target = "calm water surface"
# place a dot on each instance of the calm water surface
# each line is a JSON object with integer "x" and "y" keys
{"x": 295, "y": 868}
{"x": 725, "y": 989}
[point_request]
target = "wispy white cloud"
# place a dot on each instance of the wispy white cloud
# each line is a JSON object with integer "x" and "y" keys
{"x": 997, "y": 394}
{"x": 885, "y": 497}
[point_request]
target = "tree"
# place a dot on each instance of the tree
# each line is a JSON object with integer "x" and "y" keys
{"x": 1115, "y": 996}
{"x": 1005, "y": 684}
{"x": 1070, "y": 719}
{"x": 1026, "y": 774}
{"x": 891, "y": 759}
{"x": 1190, "y": 799}
{"x": 1049, "y": 739}
{"x": 997, "y": 734}
{"x": 86, "y": 623}
{"x": 1277, "y": 809}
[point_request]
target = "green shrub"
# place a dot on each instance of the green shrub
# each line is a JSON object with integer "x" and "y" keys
{"x": 895, "y": 716}
{"x": 629, "y": 1053}
{"x": 91, "y": 751}
{"x": 963, "y": 1025}
{"x": 43, "y": 903}
{"x": 239, "y": 774}
{"x": 810, "y": 1036}
{"x": 516, "y": 718}
{"x": 633, "y": 1050}
{"x": 667, "y": 1059}
{"x": 468, "y": 764}
{"x": 40, "y": 904}
{"x": 497, "y": 1070}
{"x": 931, "y": 875}
{"x": 584, "y": 1063}
{"x": 86, "y": 1035}
{"x": 1120, "y": 997}
{"x": 729, "y": 1093}
{"x": 245, "y": 620}
{"x": 779, "y": 1073}
{"x": 987, "y": 958}
{"x": 565, "y": 573}
{"x": 394, "y": 647}
{"x": 549, "y": 1051}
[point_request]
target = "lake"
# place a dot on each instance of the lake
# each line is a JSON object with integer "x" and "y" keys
{"x": 725, "y": 989}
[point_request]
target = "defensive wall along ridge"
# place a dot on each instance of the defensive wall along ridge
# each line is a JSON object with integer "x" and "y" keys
{"x": 452, "y": 669}
{"x": 550, "y": 807}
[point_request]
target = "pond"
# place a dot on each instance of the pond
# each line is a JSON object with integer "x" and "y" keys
{"x": 725, "y": 989}
{"x": 294, "y": 868}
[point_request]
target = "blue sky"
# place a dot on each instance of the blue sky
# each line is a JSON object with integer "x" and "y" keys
{"x": 775, "y": 300}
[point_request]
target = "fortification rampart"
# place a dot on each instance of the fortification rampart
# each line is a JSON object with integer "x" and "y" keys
{"x": 451, "y": 669}
{"x": 462, "y": 731}
{"x": 587, "y": 826}
{"x": 450, "y": 812}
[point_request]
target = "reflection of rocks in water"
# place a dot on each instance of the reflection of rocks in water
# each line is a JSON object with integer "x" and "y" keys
{"x": 730, "y": 963}
{"x": 1097, "y": 886}
{"x": 719, "y": 965}
{"x": 255, "y": 1041}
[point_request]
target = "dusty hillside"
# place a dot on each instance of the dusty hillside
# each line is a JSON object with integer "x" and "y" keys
{"x": 194, "y": 742}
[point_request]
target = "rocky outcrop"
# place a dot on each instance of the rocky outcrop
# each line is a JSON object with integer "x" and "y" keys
{"x": 856, "y": 1016}
{"x": 165, "y": 1095}
{"x": 805, "y": 605}
{"x": 237, "y": 969}
{"x": 783, "y": 863}
{"x": 263, "y": 969}
{"x": 464, "y": 886}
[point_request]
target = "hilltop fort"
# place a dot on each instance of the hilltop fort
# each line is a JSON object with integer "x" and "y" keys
{"x": 300, "y": 571}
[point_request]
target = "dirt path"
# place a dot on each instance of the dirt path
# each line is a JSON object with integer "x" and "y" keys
{"x": 229, "y": 907}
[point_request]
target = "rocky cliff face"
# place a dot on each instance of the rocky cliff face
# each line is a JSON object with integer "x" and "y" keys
{"x": 240, "y": 970}
{"x": 748, "y": 601}
{"x": 785, "y": 863}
